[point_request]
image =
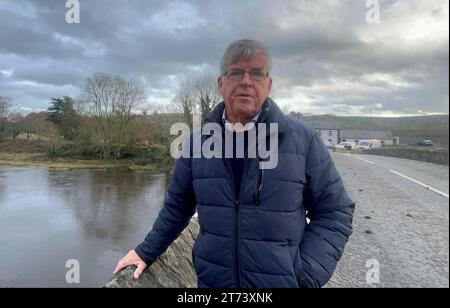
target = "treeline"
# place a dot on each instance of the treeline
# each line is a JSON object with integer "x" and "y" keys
{"x": 111, "y": 119}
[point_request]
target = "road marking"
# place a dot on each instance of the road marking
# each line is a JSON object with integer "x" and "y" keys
{"x": 421, "y": 184}
{"x": 365, "y": 160}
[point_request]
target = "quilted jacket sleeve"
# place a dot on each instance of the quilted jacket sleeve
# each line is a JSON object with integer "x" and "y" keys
{"x": 179, "y": 206}
{"x": 330, "y": 210}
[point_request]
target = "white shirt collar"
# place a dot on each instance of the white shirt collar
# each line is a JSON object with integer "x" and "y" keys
{"x": 248, "y": 126}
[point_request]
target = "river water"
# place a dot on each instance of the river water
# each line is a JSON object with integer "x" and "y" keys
{"x": 55, "y": 224}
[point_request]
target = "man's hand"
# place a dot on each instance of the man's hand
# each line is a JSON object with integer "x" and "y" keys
{"x": 131, "y": 258}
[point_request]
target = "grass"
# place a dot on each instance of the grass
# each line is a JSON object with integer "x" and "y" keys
{"x": 44, "y": 161}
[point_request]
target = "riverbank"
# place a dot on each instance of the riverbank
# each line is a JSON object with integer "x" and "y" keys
{"x": 41, "y": 160}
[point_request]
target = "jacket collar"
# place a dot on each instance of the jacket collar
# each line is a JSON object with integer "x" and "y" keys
{"x": 270, "y": 113}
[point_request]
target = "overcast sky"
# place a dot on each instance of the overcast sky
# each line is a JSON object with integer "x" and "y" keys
{"x": 326, "y": 57}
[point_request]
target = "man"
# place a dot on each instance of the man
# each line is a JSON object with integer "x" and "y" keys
{"x": 253, "y": 227}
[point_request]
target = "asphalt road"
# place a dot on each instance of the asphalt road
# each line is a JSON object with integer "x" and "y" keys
{"x": 400, "y": 228}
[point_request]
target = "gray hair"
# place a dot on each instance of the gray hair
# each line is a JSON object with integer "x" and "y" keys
{"x": 244, "y": 49}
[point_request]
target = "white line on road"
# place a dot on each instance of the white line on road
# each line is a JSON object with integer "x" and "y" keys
{"x": 421, "y": 184}
{"x": 365, "y": 160}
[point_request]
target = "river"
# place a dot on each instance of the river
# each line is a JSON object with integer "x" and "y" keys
{"x": 83, "y": 219}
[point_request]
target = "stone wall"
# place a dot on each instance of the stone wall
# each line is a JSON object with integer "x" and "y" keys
{"x": 426, "y": 155}
{"x": 174, "y": 269}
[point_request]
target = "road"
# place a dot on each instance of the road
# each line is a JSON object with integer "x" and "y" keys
{"x": 401, "y": 223}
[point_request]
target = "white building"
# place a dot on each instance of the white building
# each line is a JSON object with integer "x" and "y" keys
{"x": 329, "y": 135}
{"x": 331, "y": 132}
{"x": 383, "y": 137}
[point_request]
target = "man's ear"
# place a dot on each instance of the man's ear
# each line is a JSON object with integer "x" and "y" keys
{"x": 270, "y": 85}
{"x": 220, "y": 84}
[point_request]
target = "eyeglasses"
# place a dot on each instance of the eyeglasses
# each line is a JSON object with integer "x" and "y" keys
{"x": 237, "y": 74}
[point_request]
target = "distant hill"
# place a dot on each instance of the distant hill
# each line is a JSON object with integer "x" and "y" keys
{"x": 409, "y": 129}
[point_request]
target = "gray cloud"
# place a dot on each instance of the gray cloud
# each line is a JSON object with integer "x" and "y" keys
{"x": 326, "y": 56}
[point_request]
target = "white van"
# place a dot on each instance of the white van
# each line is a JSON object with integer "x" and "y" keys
{"x": 368, "y": 144}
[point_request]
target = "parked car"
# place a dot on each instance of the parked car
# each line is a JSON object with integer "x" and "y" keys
{"x": 425, "y": 143}
{"x": 330, "y": 146}
{"x": 364, "y": 145}
{"x": 344, "y": 145}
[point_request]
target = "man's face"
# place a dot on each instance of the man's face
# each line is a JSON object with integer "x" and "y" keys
{"x": 244, "y": 98}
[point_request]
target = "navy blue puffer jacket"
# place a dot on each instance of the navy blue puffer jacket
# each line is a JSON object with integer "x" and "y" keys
{"x": 245, "y": 244}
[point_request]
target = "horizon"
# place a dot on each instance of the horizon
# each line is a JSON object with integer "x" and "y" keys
{"x": 306, "y": 115}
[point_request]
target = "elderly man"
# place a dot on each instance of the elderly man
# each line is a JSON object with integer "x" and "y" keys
{"x": 253, "y": 227}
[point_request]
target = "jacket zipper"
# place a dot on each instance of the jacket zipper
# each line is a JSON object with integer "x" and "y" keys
{"x": 259, "y": 186}
{"x": 237, "y": 203}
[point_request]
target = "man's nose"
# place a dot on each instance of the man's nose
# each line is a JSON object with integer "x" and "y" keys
{"x": 246, "y": 79}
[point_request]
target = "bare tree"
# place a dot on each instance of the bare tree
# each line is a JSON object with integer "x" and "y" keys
{"x": 111, "y": 102}
{"x": 184, "y": 101}
{"x": 5, "y": 111}
{"x": 16, "y": 124}
{"x": 199, "y": 93}
{"x": 158, "y": 105}
{"x": 207, "y": 94}
{"x": 5, "y": 106}
{"x": 34, "y": 123}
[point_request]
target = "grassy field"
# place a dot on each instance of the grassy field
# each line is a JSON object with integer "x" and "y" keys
{"x": 40, "y": 160}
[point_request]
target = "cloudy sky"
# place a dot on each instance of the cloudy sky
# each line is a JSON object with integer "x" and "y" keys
{"x": 327, "y": 57}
